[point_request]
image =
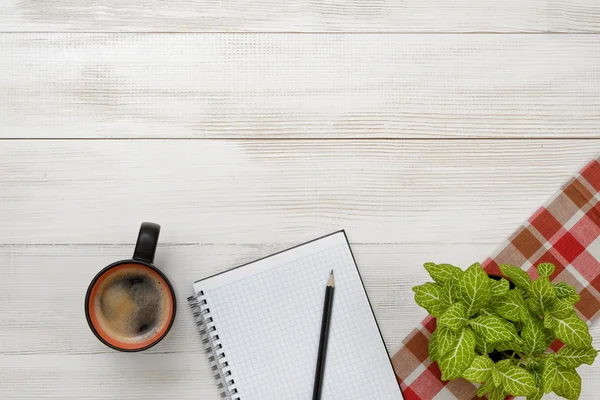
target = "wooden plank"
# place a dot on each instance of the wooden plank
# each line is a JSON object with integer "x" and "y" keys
{"x": 263, "y": 191}
{"x": 140, "y": 376}
{"x": 301, "y": 16}
{"x": 299, "y": 86}
{"x": 42, "y": 292}
{"x": 388, "y": 272}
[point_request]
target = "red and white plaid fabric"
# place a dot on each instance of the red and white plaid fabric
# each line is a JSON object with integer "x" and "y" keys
{"x": 564, "y": 232}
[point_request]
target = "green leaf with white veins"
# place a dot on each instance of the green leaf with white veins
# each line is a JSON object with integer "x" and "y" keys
{"x": 499, "y": 288}
{"x": 561, "y": 308}
{"x": 534, "y": 336}
{"x": 518, "y": 382}
{"x": 537, "y": 395}
{"x": 449, "y": 292}
{"x": 440, "y": 342}
{"x": 455, "y": 317}
{"x": 458, "y": 359}
{"x": 573, "y": 358}
{"x": 534, "y": 306}
{"x": 485, "y": 388}
{"x": 574, "y": 298}
{"x": 517, "y": 276}
{"x": 504, "y": 365}
{"x": 486, "y": 311}
{"x": 495, "y": 329}
{"x": 549, "y": 374}
{"x": 443, "y": 272}
{"x": 482, "y": 347}
{"x": 549, "y": 337}
{"x": 429, "y": 296}
{"x": 545, "y": 269}
{"x": 475, "y": 288}
{"x": 521, "y": 291}
{"x": 433, "y": 346}
{"x": 509, "y": 306}
{"x": 496, "y": 378}
{"x": 536, "y": 364}
{"x": 549, "y": 321}
{"x": 480, "y": 369}
{"x": 537, "y": 377}
{"x": 446, "y": 340}
{"x": 497, "y": 393}
{"x": 567, "y": 383}
{"x": 563, "y": 290}
{"x": 518, "y": 326}
{"x": 508, "y": 346}
{"x": 542, "y": 291}
{"x": 572, "y": 331}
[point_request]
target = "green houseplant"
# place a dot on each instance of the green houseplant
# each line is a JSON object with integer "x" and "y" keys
{"x": 496, "y": 332}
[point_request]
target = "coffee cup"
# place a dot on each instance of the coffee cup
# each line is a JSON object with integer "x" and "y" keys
{"x": 130, "y": 305}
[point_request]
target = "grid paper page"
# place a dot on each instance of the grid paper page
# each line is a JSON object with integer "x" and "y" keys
{"x": 268, "y": 318}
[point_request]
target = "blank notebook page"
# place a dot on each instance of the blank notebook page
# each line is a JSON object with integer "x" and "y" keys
{"x": 268, "y": 318}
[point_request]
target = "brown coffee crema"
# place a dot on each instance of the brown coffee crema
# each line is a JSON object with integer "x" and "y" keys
{"x": 131, "y": 306}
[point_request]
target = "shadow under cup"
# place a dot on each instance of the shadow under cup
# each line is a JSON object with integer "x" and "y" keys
{"x": 130, "y": 306}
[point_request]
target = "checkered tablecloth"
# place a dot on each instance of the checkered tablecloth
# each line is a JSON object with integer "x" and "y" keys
{"x": 564, "y": 232}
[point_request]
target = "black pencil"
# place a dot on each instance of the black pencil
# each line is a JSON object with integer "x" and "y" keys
{"x": 322, "y": 355}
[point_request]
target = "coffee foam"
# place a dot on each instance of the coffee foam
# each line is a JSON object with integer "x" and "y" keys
{"x": 132, "y": 305}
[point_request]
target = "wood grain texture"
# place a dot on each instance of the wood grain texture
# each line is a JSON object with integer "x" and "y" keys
{"x": 48, "y": 351}
{"x": 140, "y": 377}
{"x": 300, "y": 134}
{"x": 388, "y": 272}
{"x": 299, "y": 86}
{"x": 255, "y": 191}
{"x": 301, "y": 16}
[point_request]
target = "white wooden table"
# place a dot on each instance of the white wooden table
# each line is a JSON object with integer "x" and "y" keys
{"x": 428, "y": 130}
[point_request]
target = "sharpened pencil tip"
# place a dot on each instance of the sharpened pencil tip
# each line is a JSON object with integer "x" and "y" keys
{"x": 331, "y": 280}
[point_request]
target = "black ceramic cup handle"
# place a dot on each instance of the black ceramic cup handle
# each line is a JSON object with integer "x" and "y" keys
{"x": 145, "y": 247}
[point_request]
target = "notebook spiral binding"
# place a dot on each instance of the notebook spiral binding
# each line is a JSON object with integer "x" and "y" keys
{"x": 214, "y": 349}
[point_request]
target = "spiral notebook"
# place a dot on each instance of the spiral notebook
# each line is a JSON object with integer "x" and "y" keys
{"x": 261, "y": 323}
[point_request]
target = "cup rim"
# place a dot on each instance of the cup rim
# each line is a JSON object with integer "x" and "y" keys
{"x": 102, "y": 272}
